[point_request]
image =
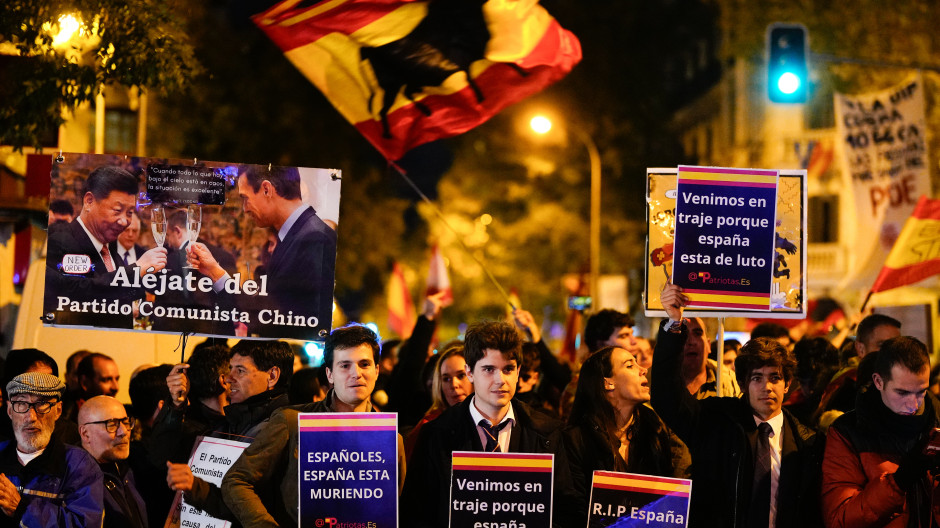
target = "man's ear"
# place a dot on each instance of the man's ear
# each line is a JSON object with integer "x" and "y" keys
{"x": 88, "y": 199}
{"x": 469, "y": 372}
{"x": 274, "y": 374}
{"x": 860, "y": 349}
{"x": 267, "y": 188}
{"x": 879, "y": 382}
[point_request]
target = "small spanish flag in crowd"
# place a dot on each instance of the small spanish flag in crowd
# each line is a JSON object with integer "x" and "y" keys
{"x": 401, "y": 309}
{"x": 406, "y": 72}
{"x": 916, "y": 254}
{"x": 438, "y": 279}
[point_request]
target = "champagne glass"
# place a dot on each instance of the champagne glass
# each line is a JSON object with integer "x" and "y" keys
{"x": 158, "y": 224}
{"x": 193, "y": 224}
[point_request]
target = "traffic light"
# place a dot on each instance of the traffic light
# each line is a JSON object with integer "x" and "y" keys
{"x": 787, "y": 74}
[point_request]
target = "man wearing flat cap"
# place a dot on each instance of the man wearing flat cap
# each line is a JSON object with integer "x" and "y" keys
{"x": 43, "y": 482}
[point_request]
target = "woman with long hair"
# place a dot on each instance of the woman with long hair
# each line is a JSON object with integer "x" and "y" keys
{"x": 450, "y": 385}
{"x": 610, "y": 428}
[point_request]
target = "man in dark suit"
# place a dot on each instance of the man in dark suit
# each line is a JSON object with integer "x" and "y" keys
{"x": 177, "y": 240}
{"x": 80, "y": 265}
{"x": 753, "y": 463}
{"x": 299, "y": 275}
{"x": 493, "y": 352}
{"x": 126, "y": 247}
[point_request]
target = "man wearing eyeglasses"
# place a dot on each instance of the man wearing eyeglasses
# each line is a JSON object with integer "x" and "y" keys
{"x": 106, "y": 435}
{"x": 44, "y": 482}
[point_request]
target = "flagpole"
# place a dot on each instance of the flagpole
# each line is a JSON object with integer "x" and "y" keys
{"x": 862, "y": 309}
{"x": 443, "y": 220}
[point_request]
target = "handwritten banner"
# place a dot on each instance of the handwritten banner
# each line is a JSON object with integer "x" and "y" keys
{"x": 348, "y": 469}
{"x": 495, "y": 490}
{"x": 626, "y": 499}
{"x": 723, "y": 255}
{"x": 883, "y": 141}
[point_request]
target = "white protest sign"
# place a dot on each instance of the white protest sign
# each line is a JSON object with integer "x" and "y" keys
{"x": 883, "y": 142}
{"x": 210, "y": 461}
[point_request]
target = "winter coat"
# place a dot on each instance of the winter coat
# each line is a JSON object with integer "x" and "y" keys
{"x": 863, "y": 450}
{"x": 261, "y": 487}
{"x": 123, "y": 505}
{"x": 588, "y": 450}
{"x": 61, "y": 488}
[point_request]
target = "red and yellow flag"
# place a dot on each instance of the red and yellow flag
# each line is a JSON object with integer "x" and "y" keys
{"x": 401, "y": 309}
{"x": 438, "y": 279}
{"x": 406, "y": 72}
{"x": 916, "y": 254}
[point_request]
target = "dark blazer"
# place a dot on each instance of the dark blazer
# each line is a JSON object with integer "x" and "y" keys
{"x": 116, "y": 251}
{"x": 720, "y": 433}
{"x": 300, "y": 277}
{"x": 175, "y": 264}
{"x": 95, "y": 284}
{"x": 425, "y": 499}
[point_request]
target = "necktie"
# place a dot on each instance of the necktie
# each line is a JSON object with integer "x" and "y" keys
{"x": 492, "y": 435}
{"x": 759, "y": 514}
{"x": 106, "y": 257}
{"x": 126, "y": 253}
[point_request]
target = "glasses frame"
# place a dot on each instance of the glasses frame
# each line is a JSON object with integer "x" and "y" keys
{"x": 111, "y": 424}
{"x": 34, "y": 406}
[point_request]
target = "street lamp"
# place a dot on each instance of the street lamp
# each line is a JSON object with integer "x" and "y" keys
{"x": 541, "y": 125}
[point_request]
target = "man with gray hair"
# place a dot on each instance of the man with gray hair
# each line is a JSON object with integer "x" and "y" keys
{"x": 44, "y": 482}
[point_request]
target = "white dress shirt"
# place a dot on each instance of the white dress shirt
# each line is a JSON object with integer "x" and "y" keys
{"x": 504, "y": 435}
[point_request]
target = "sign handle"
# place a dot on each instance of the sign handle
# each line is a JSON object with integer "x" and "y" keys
{"x": 720, "y": 354}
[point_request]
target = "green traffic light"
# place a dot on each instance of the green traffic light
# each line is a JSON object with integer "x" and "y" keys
{"x": 787, "y": 71}
{"x": 788, "y": 83}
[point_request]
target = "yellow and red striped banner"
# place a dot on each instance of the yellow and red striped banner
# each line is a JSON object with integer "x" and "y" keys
{"x": 725, "y": 299}
{"x": 477, "y": 461}
{"x": 916, "y": 253}
{"x": 313, "y": 422}
{"x": 642, "y": 483}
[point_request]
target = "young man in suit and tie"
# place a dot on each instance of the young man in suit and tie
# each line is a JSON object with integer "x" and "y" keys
{"x": 753, "y": 463}
{"x": 490, "y": 420}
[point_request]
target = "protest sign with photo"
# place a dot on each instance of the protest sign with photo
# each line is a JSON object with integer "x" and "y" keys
{"x": 626, "y": 499}
{"x": 348, "y": 466}
{"x": 492, "y": 490}
{"x": 203, "y": 247}
{"x": 786, "y": 270}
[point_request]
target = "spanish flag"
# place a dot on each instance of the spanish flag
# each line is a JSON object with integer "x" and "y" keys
{"x": 401, "y": 309}
{"x": 438, "y": 279}
{"x": 406, "y": 72}
{"x": 916, "y": 254}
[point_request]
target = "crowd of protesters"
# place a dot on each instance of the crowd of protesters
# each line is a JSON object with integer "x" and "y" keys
{"x": 772, "y": 432}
